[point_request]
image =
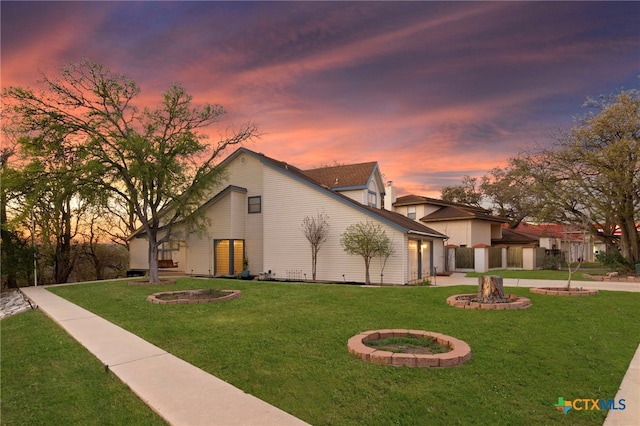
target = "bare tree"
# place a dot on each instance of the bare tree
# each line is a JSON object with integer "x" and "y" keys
{"x": 316, "y": 229}
{"x": 573, "y": 259}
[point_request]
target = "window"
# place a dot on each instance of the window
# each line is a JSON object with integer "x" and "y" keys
{"x": 165, "y": 250}
{"x": 255, "y": 204}
{"x": 373, "y": 199}
{"x": 411, "y": 212}
{"x": 229, "y": 256}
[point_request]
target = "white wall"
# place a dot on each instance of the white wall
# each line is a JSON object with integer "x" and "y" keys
{"x": 480, "y": 232}
{"x": 438, "y": 254}
{"x": 139, "y": 253}
{"x": 287, "y": 249}
{"x": 228, "y": 219}
{"x": 459, "y": 232}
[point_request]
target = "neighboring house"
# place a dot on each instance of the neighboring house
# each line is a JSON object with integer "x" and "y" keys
{"x": 516, "y": 238}
{"x": 465, "y": 226}
{"x": 573, "y": 243}
{"x": 256, "y": 215}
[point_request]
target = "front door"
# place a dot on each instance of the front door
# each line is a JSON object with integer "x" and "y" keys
{"x": 228, "y": 256}
{"x": 419, "y": 260}
{"x": 414, "y": 261}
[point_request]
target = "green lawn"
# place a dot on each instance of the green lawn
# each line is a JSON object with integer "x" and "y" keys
{"x": 542, "y": 274}
{"x": 47, "y": 378}
{"x": 286, "y": 344}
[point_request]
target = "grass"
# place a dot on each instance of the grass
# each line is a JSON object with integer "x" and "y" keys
{"x": 286, "y": 344}
{"x": 49, "y": 379}
{"x": 408, "y": 344}
{"x": 541, "y": 274}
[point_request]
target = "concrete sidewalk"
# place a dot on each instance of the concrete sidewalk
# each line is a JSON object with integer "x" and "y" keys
{"x": 458, "y": 278}
{"x": 629, "y": 391}
{"x": 179, "y": 392}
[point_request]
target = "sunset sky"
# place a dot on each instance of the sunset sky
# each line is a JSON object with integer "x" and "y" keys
{"x": 433, "y": 91}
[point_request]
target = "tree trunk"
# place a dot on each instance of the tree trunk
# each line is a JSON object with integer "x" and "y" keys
{"x": 367, "y": 261}
{"x": 314, "y": 261}
{"x": 490, "y": 289}
{"x": 8, "y": 268}
{"x": 154, "y": 277}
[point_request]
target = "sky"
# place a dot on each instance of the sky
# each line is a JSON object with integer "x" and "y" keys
{"x": 432, "y": 91}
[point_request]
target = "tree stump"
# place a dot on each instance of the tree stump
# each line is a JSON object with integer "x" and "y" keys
{"x": 490, "y": 289}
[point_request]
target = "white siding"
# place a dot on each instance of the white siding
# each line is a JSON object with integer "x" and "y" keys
{"x": 359, "y": 195}
{"x": 287, "y": 251}
{"x": 480, "y": 233}
{"x": 246, "y": 172}
{"x": 139, "y": 253}
{"x": 229, "y": 219}
{"x": 438, "y": 254}
{"x": 459, "y": 231}
{"x": 199, "y": 255}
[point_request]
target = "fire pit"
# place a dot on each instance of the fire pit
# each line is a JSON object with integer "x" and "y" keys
{"x": 458, "y": 351}
{"x": 193, "y": 296}
{"x": 490, "y": 296}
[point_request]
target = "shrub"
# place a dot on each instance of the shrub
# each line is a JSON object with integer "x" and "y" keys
{"x": 552, "y": 262}
{"x": 612, "y": 259}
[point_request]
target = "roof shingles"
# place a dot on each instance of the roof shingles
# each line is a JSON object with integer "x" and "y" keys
{"x": 344, "y": 176}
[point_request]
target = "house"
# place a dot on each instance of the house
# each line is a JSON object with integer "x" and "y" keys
{"x": 256, "y": 215}
{"x": 465, "y": 226}
{"x": 469, "y": 230}
{"x": 572, "y": 243}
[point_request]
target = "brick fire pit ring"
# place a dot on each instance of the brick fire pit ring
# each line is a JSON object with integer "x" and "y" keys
{"x": 560, "y": 291}
{"x": 192, "y": 296}
{"x": 466, "y": 301}
{"x": 460, "y": 353}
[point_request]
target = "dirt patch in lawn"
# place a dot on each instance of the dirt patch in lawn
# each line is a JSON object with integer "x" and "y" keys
{"x": 193, "y": 296}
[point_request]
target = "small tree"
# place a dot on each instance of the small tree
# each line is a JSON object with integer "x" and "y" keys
{"x": 367, "y": 240}
{"x": 568, "y": 232}
{"x": 316, "y": 229}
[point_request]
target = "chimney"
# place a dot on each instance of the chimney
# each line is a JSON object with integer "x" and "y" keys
{"x": 390, "y": 196}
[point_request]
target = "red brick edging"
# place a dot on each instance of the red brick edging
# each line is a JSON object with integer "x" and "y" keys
{"x": 463, "y": 301}
{"x": 460, "y": 353}
{"x": 617, "y": 279}
{"x": 233, "y": 294}
{"x": 557, "y": 291}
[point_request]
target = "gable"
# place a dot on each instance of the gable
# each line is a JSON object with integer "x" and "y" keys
{"x": 457, "y": 213}
{"x": 348, "y": 176}
{"x": 392, "y": 219}
{"x": 441, "y": 210}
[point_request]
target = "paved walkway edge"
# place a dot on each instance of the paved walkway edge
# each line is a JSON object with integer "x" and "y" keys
{"x": 629, "y": 391}
{"x": 179, "y": 392}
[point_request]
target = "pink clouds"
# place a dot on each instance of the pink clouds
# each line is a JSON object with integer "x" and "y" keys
{"x": 431, "y": 90}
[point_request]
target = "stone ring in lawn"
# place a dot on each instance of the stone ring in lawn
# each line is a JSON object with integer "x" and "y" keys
{"x": 459, "y": 352}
